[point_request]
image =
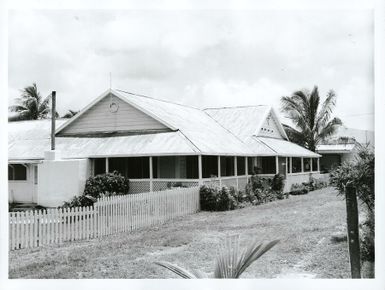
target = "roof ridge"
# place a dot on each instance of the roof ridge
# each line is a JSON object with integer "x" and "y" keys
{"x": 232, "y": 107}
{"x": 152, "y": 98}
{"x": 225, "y": 128}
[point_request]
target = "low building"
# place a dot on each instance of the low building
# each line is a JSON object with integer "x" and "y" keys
{"x": 156, "y": 144}
{"x": 343, "y": 147}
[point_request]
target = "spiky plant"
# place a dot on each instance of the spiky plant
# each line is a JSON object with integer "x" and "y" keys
{"x": 312, "y": 119}
{"x": 31, "y": 105}
{"x": 231, "y": 261}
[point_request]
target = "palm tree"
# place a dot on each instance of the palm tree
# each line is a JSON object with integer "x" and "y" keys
{"x": 312, "y": 120}
{"x": 230, "y": 263}
{"x": 31, "y": 106}
{"x": 70, "y": 114}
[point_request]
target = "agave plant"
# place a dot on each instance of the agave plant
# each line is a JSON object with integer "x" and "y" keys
{"x": 231, "y": 262}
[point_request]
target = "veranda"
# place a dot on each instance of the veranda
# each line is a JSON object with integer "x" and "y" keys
{"x": 154, "y": 173}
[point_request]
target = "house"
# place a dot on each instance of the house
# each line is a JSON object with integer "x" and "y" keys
{"x": 343, "y": 147}
{"x": 156, "y": 144}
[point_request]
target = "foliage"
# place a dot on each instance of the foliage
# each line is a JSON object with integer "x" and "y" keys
{"x": 81, "y": 200}
{"x": 299, "y": 189}
{"x": 215, "y": 198}
{"x": 278, "y": 182}
{"x": 70, "y": 114}
{"x": 312, "y": 120}
{"x": 31, "y": 105}
{"x": 359, "y": 174}
{"x": 230, "y": 263}
{"x": 108, "y": 183}
{"x": 367, "y": 238}
{"x": 262, "y": 189}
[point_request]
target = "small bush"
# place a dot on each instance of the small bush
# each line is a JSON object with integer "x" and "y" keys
{"x": 299, "y": 189}
{"x": 215, "y": 198}
{"x": 109, "y": 183}
{"x": 81, "y": 200}
{"x": 278, "y": 182}
{"x": 367, "y": 238}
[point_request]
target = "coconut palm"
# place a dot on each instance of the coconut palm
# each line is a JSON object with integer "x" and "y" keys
{"x": 31, "y": 106}
{"x": 70, "y": 114}
{"x": 230, "y": 263}
{"x": 311, "y": 118}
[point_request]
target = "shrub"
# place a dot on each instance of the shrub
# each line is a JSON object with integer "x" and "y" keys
{"x": 360, "y": 175}
{"x": 106, "y": 184}
{"x": 299, "y": 189}
{"x": 278, "y": 182}
{"x": 81, "y": 200}
{"x": 215, "y": 198}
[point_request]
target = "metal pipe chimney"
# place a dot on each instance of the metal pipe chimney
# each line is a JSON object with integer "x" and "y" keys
{"x": 53, "y": 119}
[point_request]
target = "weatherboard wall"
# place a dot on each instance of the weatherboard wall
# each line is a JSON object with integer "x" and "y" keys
{"x": 104, "y": 118}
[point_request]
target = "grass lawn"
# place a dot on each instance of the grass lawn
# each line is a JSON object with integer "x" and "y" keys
{"x": 303, "y": 223}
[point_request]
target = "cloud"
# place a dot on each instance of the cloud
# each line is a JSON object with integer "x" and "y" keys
{"x": 203, "y": 58}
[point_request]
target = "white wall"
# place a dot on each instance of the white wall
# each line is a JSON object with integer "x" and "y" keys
{"x": 294, "y": 178}
{"x": 60, "y": 180}
{"x": 348, "y": 157}
{"x": 23, "y": 191}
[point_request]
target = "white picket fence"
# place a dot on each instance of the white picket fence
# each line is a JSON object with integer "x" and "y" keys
{"x": 108, "y": 215}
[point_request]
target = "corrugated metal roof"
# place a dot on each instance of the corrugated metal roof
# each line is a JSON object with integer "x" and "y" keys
{"x": 140, "y": 145}
{"x": 286, "y": 148}
{"x": 28, "y": 130}
{"x": 197, "y": 133}
{"x": 335, "y": 148}
{"x": 241, "y": 121}
{"x": 206, "y": 134}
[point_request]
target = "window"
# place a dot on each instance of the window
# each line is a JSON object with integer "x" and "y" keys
{"x": 192, "y": 167}
{"x": 17, "y": 172}
{"x": 306, "y": 164}
{"x": 99, "y": 166}
{"x": 268, "y": 165}
{"x": 209, "y": 166}
{"x": 227, "y": 166}
{"x": 297, "y": 164}
{"x": 241, "y": 165}
{"x": 130, "y": 167}
{"x": 315, "y": 164}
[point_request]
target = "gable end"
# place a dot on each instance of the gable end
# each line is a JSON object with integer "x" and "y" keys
{"x": 112, "y": 116}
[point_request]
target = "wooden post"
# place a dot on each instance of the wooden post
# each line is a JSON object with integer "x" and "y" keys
{"x": 276, "y": 165}
{"x": 236, "y": 171}
{"x": 151, "y": 174}
{"x": 311, "y": 164}
{"x": 319, "y": 169}
{"x": 200, "y": 169}
{"x": 246, "y": 169}
{"x": 107, "y": 166}
{"x": 53, "y": 119}
{"x": 302, "y": 169}
{"x": 353, "y": 235}
{"x": 219, "y": 171}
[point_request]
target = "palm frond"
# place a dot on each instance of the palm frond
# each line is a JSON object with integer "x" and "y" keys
{"x": 329, "y": 129}
{"x": 230, "y": 262}
{"x": 177, "y": 270}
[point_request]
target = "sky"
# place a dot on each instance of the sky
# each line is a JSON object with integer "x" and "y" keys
{"x": 202, "y": 58}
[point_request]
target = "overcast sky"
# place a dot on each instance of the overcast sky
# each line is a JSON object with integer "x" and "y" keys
{"x": 207, "y": 58}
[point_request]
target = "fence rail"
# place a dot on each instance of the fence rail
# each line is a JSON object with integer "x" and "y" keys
{"x": 108, "y": 215}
